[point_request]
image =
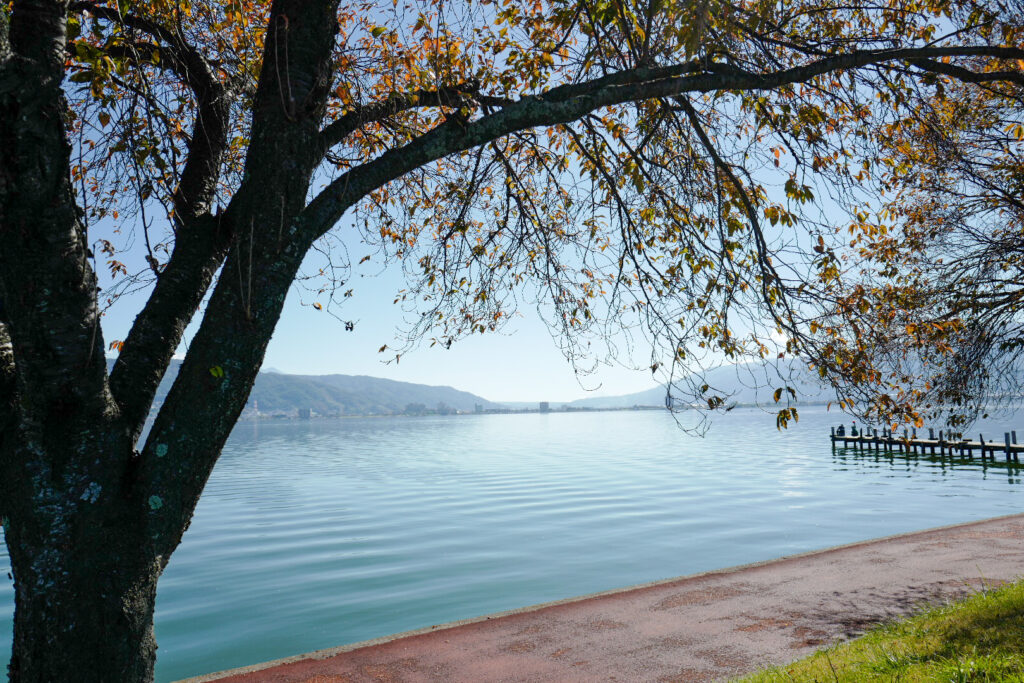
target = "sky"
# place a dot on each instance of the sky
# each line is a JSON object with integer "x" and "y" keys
{"x": 522, "y": 363}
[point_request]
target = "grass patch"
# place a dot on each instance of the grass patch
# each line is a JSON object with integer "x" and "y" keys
{"x": 978, "y": 639}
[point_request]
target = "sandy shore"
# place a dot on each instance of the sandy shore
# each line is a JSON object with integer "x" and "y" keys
{"x": 703, "y": 627}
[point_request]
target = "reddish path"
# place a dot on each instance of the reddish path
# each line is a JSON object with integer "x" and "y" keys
{"x": 696, "y": 628}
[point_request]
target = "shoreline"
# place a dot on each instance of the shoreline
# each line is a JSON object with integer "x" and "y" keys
{"x": 885, "y": 576}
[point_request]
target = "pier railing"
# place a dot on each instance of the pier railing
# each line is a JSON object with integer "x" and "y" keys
{"x": 943, "y": 443}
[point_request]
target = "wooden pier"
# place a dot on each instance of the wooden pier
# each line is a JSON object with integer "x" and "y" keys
{"x": 943, "y": 443}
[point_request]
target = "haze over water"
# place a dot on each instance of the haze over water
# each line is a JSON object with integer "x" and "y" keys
{"x": 317, "y": 533}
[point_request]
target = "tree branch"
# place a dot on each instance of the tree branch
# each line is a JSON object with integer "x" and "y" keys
{"x": 200, "y": 241}
{"x": 764, "y": 261}
{"x": 223, "y": 360}
{"x": 966, "y": 75}
{"x": 199, "y": 251}
{"x": 198, "y": 182}
{"x": 569, "y": 102}
{"x": 195, "y": 65}
{"x": 396, "y": 103}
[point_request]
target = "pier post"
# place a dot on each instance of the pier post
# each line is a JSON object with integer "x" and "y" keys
{"x": 942, "y": 445}
{"x": 1006, "y": 439}
{"x": 981, "y": 440}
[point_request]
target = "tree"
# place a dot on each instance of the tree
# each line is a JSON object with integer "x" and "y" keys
{"x": 643, "y": 164}
{"x": 928, "y": 323}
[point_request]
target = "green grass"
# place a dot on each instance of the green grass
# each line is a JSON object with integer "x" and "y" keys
{"x": 978, "y": 639}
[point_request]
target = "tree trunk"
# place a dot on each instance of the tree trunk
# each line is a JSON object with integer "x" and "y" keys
{"x": 84, "y": 610}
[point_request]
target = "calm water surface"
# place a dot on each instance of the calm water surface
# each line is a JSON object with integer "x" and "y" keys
{"x": 315, "y": 534}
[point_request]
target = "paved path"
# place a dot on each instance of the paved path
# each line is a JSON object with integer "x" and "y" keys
{"x": 696, "y": 628}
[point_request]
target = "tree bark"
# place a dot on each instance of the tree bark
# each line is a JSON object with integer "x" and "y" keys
{"x": 84, "y": 573}
{"x": 84, "y": 610}
{"x": 90, "y": 522}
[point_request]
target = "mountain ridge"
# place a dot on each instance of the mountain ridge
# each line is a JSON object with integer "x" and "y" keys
{"x": 744, "y": 383}
{"x": 286, "y": 395}
{"x": 277, "y": 393}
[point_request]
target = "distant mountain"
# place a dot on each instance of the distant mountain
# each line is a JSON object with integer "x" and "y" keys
{"x": 747, "y": 383}
{"x": 276, "y": 392}
{"x": 279, "y": 393}
{"x": 355, "y": 395}
{"x": 651, "y": 397}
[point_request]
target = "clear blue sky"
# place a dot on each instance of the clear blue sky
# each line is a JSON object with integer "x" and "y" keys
{"x": 521, "y": 364}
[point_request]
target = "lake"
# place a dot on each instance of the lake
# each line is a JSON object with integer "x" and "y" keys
{"x": 317, "y": 533}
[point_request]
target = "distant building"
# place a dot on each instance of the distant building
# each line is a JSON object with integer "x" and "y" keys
{"x": 478, "y": 408}
{"x": 304, "y": 413}
{"x": 545, "y": 407}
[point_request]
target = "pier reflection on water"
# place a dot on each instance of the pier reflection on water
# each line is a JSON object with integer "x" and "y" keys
{"x": 947, "y": 465}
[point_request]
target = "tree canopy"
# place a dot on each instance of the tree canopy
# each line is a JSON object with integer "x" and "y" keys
{"x": 676, "y": 168}
{"x": 927, "y": 321}
{"x": 685, "y": 128}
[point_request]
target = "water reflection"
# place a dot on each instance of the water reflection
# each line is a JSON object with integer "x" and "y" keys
{"x": 316, "y": 533}
{"x": 944, "y": 464}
